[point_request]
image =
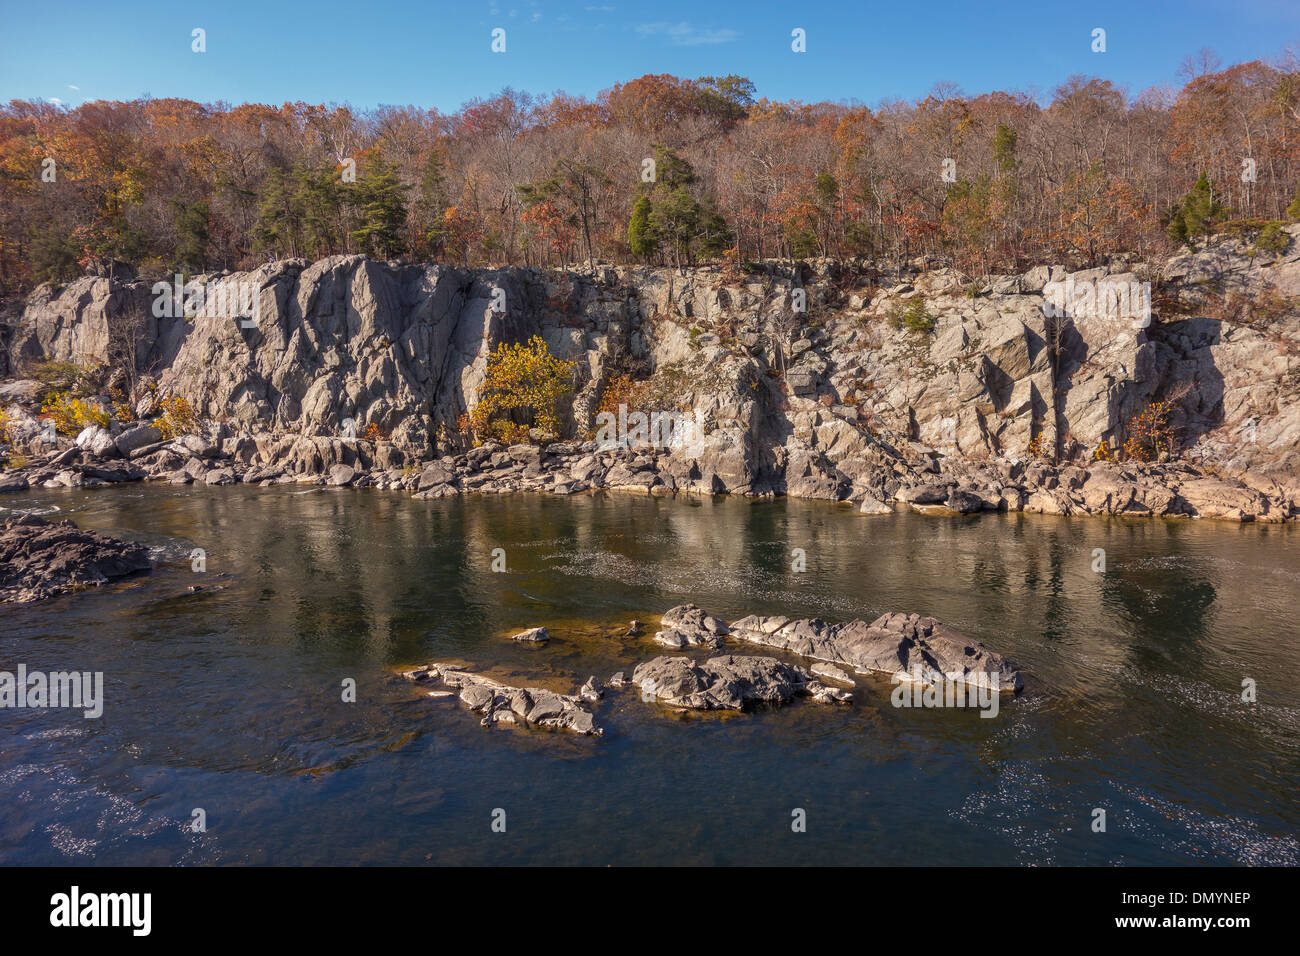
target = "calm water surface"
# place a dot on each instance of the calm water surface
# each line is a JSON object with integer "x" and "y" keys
{"x": 229, "y": 699}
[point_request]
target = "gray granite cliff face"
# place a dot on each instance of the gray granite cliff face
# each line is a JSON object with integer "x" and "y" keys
{"x": 1002, "y": 406}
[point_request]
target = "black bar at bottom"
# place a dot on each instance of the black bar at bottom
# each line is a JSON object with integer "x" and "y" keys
{"x": 216, "y": 905}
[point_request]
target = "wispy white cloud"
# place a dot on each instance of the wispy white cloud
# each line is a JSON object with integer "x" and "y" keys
{"x": 686, "y": 34}
{"x": 71, "y": 87}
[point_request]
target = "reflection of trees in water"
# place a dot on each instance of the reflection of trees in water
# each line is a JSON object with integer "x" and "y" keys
{"x": 1161, "y": 600}
{"x": 769, "y": 536}
{"x": 336, "y": 570}
{"x": 374, "y": 575}
{"x": 1166, "y": 609}
{"x": 1044, "y": 578}
{"x": 989, "y": 573}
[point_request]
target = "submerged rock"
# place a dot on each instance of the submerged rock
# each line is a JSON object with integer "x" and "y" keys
{"x": 895, "y": 644}
{"x": 502, "y": 704}
{"x": 534, "y": 635}
{"x": 39, "y": 559}
{"x": 728, "y": 683}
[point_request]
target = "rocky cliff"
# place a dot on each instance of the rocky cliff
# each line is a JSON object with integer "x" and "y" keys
{"x": 933, "y": 390}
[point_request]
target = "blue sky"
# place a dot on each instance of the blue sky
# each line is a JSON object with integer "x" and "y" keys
{"x": 371, "y": 52}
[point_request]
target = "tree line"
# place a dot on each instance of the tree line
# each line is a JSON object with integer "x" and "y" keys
{"x": 660, "y": 169}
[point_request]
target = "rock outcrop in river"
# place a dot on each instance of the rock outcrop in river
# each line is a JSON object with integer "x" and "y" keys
{"x": 903, "y": 646}
{"x": 998, "y": 402}
{"x": 688, "y": 626}
{"x": 502, "y": 704}
{"x": 731, "y": 682}
{"x": 906, "y": 647}
{"x": 40, "y": 559}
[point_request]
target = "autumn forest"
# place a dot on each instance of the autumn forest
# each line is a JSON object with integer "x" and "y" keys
{"x": 658, "y": 169}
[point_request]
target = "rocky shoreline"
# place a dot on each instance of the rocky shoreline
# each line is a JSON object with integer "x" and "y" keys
{"x": 928, "y": 483}
{"x": 906, "y": 648}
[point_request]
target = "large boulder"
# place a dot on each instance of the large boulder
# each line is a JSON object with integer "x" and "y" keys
{"x": 900, "y": 645}
{"x": 97, "y": 441}
{"x": 874, "y": 506}
{"x": 40, "y": 559}
{"x": 112, "y": 471}
{"x": 11, "y": 482}
{"x": 688, "y": 626}
{"x": 340, "y": 476}
{"x": 20, "y": 390}
{"x": 137, "y": 437}
{"x": 434, "y": 474}
{"x": 1229, "y": 500}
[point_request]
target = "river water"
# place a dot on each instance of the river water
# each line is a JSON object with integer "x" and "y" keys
{"x": 229, "y": 699}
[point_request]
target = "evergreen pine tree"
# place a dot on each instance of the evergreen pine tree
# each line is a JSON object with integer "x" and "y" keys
{"x": 640, "y": 237}
{"x": 318, "y": 199}
{"x": 191, "y": 233}
{"x": 1293, "y": 210}
{"x": 379, "y": 198}
{"x": 431, "y": 204}
{"x": 279, "y": 222}
{"x": 1193, "y": 216}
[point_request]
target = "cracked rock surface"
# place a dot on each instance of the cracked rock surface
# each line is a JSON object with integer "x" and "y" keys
{"x": 730, "y": 682}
